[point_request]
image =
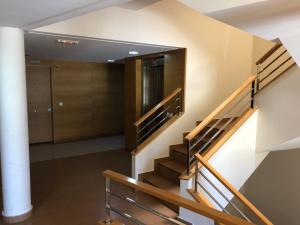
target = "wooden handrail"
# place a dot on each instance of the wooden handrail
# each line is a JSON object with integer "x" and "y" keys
{"x": 232, "y": 189}
{"x": 269, "y": 53}
{"x": 211, "y": 116}
{"x": 159, "y": 105}
{"x": 175, "y": 199}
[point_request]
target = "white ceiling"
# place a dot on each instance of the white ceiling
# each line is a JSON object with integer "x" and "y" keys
{"x": 43, "y": 46}
{"x": 30, "y": 14}
{"x": 209, "y": 6}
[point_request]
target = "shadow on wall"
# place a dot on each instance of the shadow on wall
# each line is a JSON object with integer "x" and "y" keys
{"x": 274, "y": 187}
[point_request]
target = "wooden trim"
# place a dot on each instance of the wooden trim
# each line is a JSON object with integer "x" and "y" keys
{"x": 159, "y": 105}
{"x": 214, "y": 148}
{"x": 232, "y": 189}
{"x": 218, "y": 110}
{"x": 269, "y": 53}
{"x": 175, "y": 199}
{"x": 17, "y": 219}
{"x": 199, "y": 197}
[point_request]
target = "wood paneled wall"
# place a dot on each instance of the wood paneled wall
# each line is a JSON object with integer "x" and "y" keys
{"x": 133, "y": 94}
{"x": 174, "y": 72}
{"x": 174, "y": 77}
{"x": 87, "y": 100}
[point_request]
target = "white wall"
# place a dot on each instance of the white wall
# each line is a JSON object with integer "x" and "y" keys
{"x": 278, "y": 120}
{"x": 237, "y": 159}
{"x": 219, "y": 56}
{"x": 291, "y": 43}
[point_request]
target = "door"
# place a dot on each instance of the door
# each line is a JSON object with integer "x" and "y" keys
{"x": 152, "y": 83}
{"x": 39, "y": 104}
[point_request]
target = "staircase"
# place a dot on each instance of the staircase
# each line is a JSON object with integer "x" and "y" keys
{"x": 211, "y": 133}
{"x": 168, "y": 170}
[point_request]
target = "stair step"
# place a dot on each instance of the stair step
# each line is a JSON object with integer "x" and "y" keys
{"x": 162, "y": 183}
{"x": 169, "y": 169}
{"x": 179, "y": 152}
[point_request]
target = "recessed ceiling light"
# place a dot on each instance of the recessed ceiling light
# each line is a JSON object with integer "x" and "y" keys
{"x": 67, "y": 42}
{"x": 133, "y": 53}
{"x": 111, "y": 60}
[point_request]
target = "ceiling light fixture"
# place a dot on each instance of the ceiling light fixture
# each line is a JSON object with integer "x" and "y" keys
{"x": 133, "y": 53}
{"x": 110, "y": 60}
{"x": 67, "y": 42}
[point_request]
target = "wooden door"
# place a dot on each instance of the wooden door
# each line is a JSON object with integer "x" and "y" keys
{"x": 39, "y": 104}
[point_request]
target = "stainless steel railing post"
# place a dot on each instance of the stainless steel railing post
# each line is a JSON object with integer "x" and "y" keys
{"x": 107, "y": 201}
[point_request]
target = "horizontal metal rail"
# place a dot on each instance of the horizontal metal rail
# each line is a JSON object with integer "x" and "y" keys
{"x": 152, "y": 211}
{"x": 127, "y": 216}
{"x": 219, "y": 120}
{"x": 274, "y": 60}
{"x": 273, "y": 71}
{"x": 224, "y": 196}
{"x": 162, "y": 112}
{"x": 155, "y": 126}
{"x": 212, "y": 197}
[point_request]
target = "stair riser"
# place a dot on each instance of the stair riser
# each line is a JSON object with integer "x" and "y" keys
{"x": 178, "y": 156}
{"x": 167, "y": 173}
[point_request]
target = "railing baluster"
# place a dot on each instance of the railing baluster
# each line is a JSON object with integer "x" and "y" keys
{"x": 178, "y": 103}
{"x": 257, "y": 77}
{"x": 252, "y": 94}
{"x": 196, "y": 175}
{"x": 107, "y": 201}
{"x": 188, "y": 157}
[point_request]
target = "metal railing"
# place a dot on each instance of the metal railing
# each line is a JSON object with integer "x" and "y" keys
{"x": 156, "y": 193}
{"x": 158, "y": 116}
{"x": 209, "y": 187}
{"x": 274, "y": 60}
{"x": 219, "y": 120}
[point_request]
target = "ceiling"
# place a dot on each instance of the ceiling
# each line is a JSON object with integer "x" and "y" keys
{"x": 31, "y": 14}
{"x": 39, "y": 46}
{"x": 209, "y": 6}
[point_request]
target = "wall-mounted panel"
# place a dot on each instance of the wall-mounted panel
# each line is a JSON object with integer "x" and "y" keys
{"x": 87, "y": 99}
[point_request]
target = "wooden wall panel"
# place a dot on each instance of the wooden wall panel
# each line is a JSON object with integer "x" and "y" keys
{"x": 108, "y": 100}
{"x": 174, "y": 72}
{"x": 133, "y": 73}
{"x": 92, "y": 97}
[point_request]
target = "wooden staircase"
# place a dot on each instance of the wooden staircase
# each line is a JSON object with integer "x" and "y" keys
{"x": 168, "y": 170}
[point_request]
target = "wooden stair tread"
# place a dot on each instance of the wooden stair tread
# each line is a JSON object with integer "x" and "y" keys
{"x": 182, "y": 149}
{"x": 160, "y": 182}
{"x": 172, "y": 164}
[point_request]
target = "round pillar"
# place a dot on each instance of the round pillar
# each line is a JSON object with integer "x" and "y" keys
{"x": 15, "y": 164}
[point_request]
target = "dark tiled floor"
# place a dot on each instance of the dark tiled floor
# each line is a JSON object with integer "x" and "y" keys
{"x": 70, "y": 191}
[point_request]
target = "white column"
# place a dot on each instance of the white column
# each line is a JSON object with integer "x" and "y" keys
{"x": 15, "y": 165}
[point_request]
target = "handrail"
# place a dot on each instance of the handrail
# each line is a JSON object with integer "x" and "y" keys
{"x": 211, "y": 116}
{"x": 174, "y": 199}
{"x": 159, "y": 105}
{"x": 269, "y": 53}
{"x": 234, "y": 191}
